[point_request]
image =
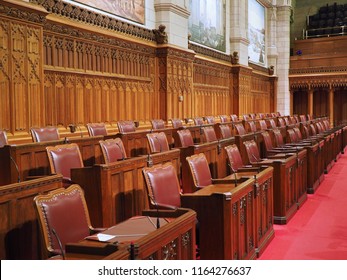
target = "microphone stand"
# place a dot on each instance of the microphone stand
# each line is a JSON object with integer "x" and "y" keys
{"x": 17, "y": 169}
{"x": 59, "y": 243}
{"x": 235, "y": 175}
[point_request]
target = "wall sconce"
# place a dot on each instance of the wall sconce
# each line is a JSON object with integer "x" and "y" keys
{"x": 180, "y": 98}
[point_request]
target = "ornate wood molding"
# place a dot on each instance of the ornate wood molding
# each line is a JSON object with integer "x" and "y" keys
{"x": 76, "y": 13}
{"x": 209, "y": 52}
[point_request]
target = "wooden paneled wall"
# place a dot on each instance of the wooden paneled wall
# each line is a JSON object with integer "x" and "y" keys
{"x": 63, "y": 65}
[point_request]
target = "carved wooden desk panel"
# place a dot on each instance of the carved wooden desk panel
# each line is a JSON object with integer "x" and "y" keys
{"x": 117, "y": 191}
{"x": 114, "y": 192}
{"x": 19, "y": 230}
{"x": 285, "y": 187}
{"x": 32, "y": 158}
{"x": 226, "y": 220}
{"x": 173, "y": 241}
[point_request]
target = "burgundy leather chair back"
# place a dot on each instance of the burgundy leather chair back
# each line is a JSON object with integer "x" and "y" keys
{"x": 267, "y": 140}
{"x": 209, "y": 133}
{"x": 246, "y": 117}
{"x": 234, "y": 118}
{"x": 185, "y": 137}
{"x": 223, "y": 118}
{"x": 278, "y": 138}
{"x": 176, "y": 123}
{"x": 112, "y": 150}
{"x": 210, "y": 119}
{"x": 200, "y": 170}
{"x": 158, "y": 124}
{"x": 198, "y": 121}
{"x": 320, "y": 127}
{"x": 252, "y": 126}
{"x": 234, "y": 157}
{"x": 44, "y": 134}
{"x": 252, "y": 151}
{"x": 306, "y": 132}
{"x": 313, "y": 129}
{"x": 272, "y": 123}
{"x": 291, "y": 135}
{"x": 162, "y": 186}
{"x": 240, "y": 128}
{"x": 262, "y": 124}
{"x": 303, "y": 118}
{"x": 65, "y": 212}
{"x": 64, "y": 157}
{"x": 225, "y": 131}
{"x": 3, "y": 138}
{"x": 287, "y": 121}
{"x": 126, "y": 126}
{"x": 327, "y": 124}
{"x": 96, "y": 129}
{"x": 252, "y": 116}
{"x": 298, "y": 133}
{"x": 281, "y": 122}
{"x": 158, "y": 142}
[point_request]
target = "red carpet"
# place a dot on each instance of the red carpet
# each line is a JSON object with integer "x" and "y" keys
{"x": 318, "y": 231}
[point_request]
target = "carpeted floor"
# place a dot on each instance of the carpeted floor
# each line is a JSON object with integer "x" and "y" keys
{"x": 318, "y": 231}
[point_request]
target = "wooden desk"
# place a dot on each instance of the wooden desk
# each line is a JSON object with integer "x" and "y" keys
{"x": 32, "y": 159}
{"x": 19, "y": 229}
{"x": 226, "y": 220}
{"x": 285, "y": 184}
{"x": 216, "y": 156}
{"x": 174, "y": 240}
{"x": 117, "y": 191}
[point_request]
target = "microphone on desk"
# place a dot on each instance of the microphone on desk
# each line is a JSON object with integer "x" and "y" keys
{"x": 17, "y": 169}
{"x": 121, "y": 150}
{"x": 59, "y": 243}
{"x": 160, "y": 147}
{"x": 66, "y": 141}
{"x": 235, "y": 175}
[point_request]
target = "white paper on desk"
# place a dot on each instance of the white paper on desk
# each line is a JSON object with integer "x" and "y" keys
{"x": 105, "y": 237}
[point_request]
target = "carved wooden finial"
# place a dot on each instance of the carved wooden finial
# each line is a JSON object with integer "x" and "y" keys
{"x": 235, "y": 58}
{"x": 160, "y": 34}
{"x": 271, "y": 69}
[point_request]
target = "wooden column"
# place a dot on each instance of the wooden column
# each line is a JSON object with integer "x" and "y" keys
{"x": 291, "y": 101}
{"x": 310, "y": 101}
{"x": 331, "y": 105}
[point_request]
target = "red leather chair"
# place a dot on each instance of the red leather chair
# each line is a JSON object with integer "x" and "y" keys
{"x": 246, "y": 117}
{"x": 252, "y": 151}
{"x": 281, "y": 122}
{"x": 44, "y": 134}
{"x": 198, "y": 121}
{"x": 200, "y": 170}
{"x": 209, "y": 133}
{"x": 162, "y": 186}
{"x": 210, "y": 119}
{"x": 185, "y": 137}
{"x": 112, "y": 150}
{"x": 262, "y": 125}
{"x": 234, "y": 157}
{"x": 251, "y": 126}
{"x": 225, "y": 131}
{"x": 62, "y": 158}
{"x": 3, "y": 138}
{"x": 176, "y": 123}
{"x": 96, "y": 129}
{"x": 63, "y": 218}
{"x": 234, "y": 118}
{"x": 126, "y": 126}
{"x": 303, "y": 118}
{"x": 240, "y": 128}
{"x": 223, "y": 118}
{"x": 272, "y": 123}
{"x": 158, "y": 142}
{"x": 158, "y": 124}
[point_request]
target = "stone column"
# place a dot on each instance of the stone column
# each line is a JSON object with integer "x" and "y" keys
{"x": 239, "y": 30}
{"x": 283, "y": 47}
{"x": 173, "y": 14}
